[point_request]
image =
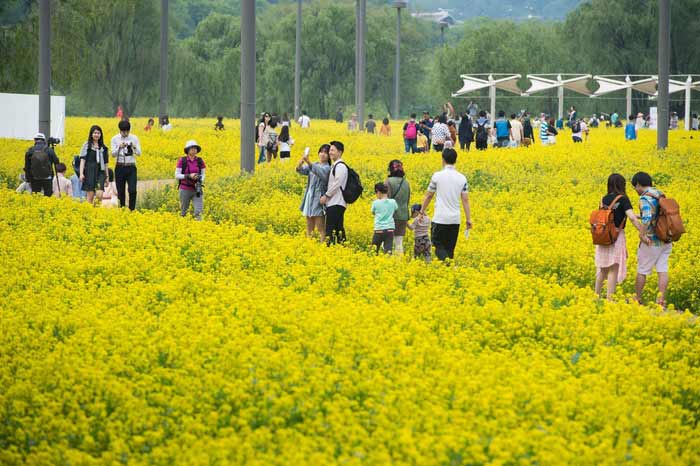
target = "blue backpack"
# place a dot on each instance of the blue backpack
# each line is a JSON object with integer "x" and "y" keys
{"x": 501, "y": 128}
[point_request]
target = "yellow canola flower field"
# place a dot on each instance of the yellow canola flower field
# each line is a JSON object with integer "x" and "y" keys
{"x": 144, "y": 338}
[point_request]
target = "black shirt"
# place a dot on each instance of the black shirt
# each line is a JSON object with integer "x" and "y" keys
{"x": 622, "y": 206}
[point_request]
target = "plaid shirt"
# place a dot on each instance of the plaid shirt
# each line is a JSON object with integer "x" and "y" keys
{"x": 649, "y": 210}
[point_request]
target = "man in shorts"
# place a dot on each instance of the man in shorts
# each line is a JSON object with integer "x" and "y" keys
{"x": 652, "y": 253}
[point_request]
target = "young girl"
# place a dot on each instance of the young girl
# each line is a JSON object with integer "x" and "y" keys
{"x": 611, "y": 261}
{"x": 271, "y": 143}
{"x": 285, "y": 143}
{"x": 420, "y": 228}
{"x": 109, "y": 196}
{"x": 94, "y": 157}
{"x": 383, "y": 210}
{"x": 385, "y": 130}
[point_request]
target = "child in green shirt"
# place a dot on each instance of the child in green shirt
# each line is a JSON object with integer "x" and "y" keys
{"x": 383, "y": 210}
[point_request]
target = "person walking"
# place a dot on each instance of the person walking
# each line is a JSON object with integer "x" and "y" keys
{"x": 399, "y": 190}
{"x": 421, "y": 228}
{"x": 262, "y": 126}
{"x": 611, "y": 260}
{"x": 333, "y": 197}
{"x": 630, "y": 129}
{"x": 270, "y": 137}
{"x": 39, "y": 163}
{"x": 125, "y": 149}
{"x": 304, "y": 120}
{"x": 190, "y": 172}
{"x": 317, "y": 183}
{"x": 482, "y": 131}
{"x": 465, "y": 132}
{"x": 652, "y": 252}
{"x": 285, "y": 144}
{"x": 503, "y": 130}
{"x": 528, "y": 133}
{"x": 440, "y": 133}
{"x": 451, "y": 188}
{"x": 94, "y": 159}
{"x": 517, "y": 130}
{"x": 370, "y": 125}
{"x": 385, "y": 130}
{"x": 410, "y": 134}
{"x": 383, "y": 210}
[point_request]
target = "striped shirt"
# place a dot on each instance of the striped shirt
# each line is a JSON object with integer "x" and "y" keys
{"x": 543, "y": 130}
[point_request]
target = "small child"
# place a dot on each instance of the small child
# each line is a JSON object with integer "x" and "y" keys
{"x": 422, "y": 143}
{"x": 24, "y": 186}
{"x": 420, "y": 228}
{"x": 383, "y": 210}
{"x": 66, "y": 187}
{"x": 385, "y": 130}
{"x": 219, "y": 126}
{"x": 109, "y": 195}
{"x": 630, "y": 129}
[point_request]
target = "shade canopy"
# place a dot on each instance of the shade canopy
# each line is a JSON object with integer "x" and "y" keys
{"x": 577, "y": 83}
{"x": 474, "y": 83}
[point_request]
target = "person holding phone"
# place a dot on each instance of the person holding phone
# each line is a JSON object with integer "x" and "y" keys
{"x": 317, "y": 174}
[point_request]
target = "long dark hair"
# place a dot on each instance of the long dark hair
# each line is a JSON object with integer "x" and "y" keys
{"x": 616, "y": 184}
{"x": 396, "y": 169}
{"x": 284, "y": 134}
{"x": 326, "y": 148}
{"x": 101, "y": 142}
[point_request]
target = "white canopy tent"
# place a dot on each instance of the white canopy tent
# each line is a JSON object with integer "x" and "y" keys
{"x": 506, "y": 82}
{"x": 647, "y": 85}
{"x": 576, "y": 83}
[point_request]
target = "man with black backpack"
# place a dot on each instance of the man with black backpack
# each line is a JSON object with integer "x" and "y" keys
{"x": 39, "y": 161}
{"x": 343, "y": 188}
{"x": 482, "y": 131}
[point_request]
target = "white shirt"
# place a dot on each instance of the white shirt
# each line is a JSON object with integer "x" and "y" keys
{"x": 120, "y": 154}
{"x": 448, "y": 185}
{"x": 286, "y": 146}
{"x": 517, "y": 128}
{"x": 336, "y": 183}
{"x": 304, "y": 121}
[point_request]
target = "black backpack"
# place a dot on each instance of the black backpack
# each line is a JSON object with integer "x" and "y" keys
{"x": 482, "y": 135}
{"x": 40, "y": 164}
{"x": 576, "y": 126}
{"x": 353, "y": 187}
{"x": 183, "y": 164}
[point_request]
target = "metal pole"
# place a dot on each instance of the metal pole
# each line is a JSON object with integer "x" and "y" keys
{"x": 297, "y": 66}
{"x": 664, "y": 65}
{"x": 363, "y": 65}
{"x": 397, "y": 68}
{"x": 45, "y": 67}
{"x": 163, "y": 58}
{"x": 357, "y": 54}
{"x": 248, "y": 127}
{"x": 629, "y": 97}
{"x": 688, "y": 87}
{"x": 560, "y": 95}
{"x": 492, "y": 95}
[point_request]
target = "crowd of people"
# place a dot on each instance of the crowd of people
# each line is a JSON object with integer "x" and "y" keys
{"x": 324, "y": 201}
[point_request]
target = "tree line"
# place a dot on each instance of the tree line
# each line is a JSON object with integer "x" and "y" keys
{"x": 106, "y": 54}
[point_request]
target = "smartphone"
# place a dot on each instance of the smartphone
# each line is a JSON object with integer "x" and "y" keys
{"x": 306, "y": 151}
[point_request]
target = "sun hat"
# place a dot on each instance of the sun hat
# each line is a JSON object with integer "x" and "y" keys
{"x": 192, "y": 143}
{"x": 40, "y": 136}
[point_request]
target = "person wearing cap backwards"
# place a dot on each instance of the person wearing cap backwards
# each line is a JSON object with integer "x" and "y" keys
{"x": 125, "y": 148}
{"x": 37, "y": 165}
{"x": 190, "y": 175}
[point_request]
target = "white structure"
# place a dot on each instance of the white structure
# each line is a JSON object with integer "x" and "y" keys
{"x": 542, "y": 82}
{"x": 20, "y": 116}
{"x": 649, "y": 86}
{"x": 507, "y": 82}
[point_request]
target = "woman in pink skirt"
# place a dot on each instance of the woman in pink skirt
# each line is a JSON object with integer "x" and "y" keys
{"x": 611, "y": 261}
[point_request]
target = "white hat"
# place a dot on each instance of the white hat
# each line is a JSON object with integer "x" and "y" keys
{"x": 192, "y": 143}
{"x": 40, "y": 136}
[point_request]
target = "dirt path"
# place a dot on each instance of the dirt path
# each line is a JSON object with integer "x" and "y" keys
{"x": 148, "y": 185}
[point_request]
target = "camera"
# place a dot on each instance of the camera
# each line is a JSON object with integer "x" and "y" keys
{"x": 198, "y": 188}
{"x": 129, "y": 149}
{"x": 53, "y": 141}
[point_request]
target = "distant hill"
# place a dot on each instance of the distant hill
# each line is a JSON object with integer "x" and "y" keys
{"x": 502, "y": 9}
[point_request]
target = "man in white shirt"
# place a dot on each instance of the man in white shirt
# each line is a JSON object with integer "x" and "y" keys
{"x": 452, "y": 189}
{"x": 333, "y": 198}
{"x": 125, "y": 149}
{"x": 304, "y": 120}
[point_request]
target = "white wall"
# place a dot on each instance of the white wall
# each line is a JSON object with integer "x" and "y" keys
{"x": 19, "y": 116}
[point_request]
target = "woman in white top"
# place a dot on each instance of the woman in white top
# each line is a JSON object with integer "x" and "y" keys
{"x": 285, "y": 143}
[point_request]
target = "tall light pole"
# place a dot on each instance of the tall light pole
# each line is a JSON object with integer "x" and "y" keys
{"x": 357, "y": 54}
{"x": 398, "y": 4}
{"x": 297, "y": 66}
{"x": 248, "y": 86}
{"x": 362, "y": 60}
{"x": 45, "y": 67}
{"x": 163, "y": 59}
{"x": 664, "y": 65}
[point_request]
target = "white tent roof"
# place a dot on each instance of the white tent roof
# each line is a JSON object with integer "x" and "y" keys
{"x": 576, "y": 84}
{"x": 472, "y": 83}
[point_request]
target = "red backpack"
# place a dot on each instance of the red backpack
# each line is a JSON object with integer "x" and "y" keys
{"x": 602, "y": 221}
{"x": 411, "y": 130}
